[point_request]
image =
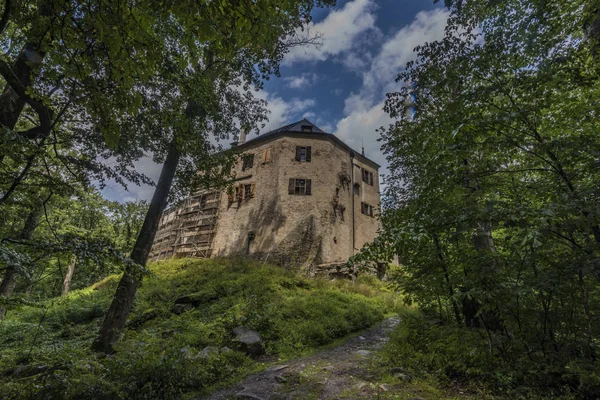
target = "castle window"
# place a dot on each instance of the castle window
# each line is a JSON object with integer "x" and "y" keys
{"x": 247, "y": 161}
{"x": 357, "y": 189}
{"x": 367, "y": 176}
{"x": 300, "y": 186}
{"x": 306, "y": 128}
{"x": 303, "y": 153}
{"x": 366, "y": 209}
{"x": 247, "y": 191}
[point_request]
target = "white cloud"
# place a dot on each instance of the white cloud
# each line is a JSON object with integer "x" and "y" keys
{"x": 395, "y": 53}
{"x": 340, "y": 31}
{"x": 281, "y": 111}
{"x": 301, "y": 81}
{"x": 364, "y": 110}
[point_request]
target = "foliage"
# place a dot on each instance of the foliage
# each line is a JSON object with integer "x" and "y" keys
{"x": 492, "y": 199}
{"x": 158, "y": 355}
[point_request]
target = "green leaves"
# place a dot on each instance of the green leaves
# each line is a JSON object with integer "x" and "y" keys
{"x": 492, "y": 199}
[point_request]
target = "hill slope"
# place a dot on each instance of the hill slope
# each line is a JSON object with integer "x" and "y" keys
{"x": 184, "y": 307}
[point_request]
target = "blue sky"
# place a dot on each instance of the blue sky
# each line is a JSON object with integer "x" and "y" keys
{"x": 341, "y": 85}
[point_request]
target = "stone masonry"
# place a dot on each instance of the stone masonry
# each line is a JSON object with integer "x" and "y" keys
{"x": 302, "y": 198}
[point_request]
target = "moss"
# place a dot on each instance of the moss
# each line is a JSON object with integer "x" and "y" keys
{"x": 157, "y": 356}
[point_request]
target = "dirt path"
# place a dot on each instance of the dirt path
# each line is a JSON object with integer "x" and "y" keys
{"x": 340, "y": 372}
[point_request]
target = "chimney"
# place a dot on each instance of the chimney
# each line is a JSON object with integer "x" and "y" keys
{"x": 242, "y": 135}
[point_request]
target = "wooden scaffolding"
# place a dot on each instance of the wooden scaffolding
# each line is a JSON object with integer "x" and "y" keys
{"x": 188, "y": 230}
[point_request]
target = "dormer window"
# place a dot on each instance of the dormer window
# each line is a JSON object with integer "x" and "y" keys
{"x": 306, "y": 128}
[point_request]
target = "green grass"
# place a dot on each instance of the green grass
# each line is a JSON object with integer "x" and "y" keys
{"x": 157, "y": 355}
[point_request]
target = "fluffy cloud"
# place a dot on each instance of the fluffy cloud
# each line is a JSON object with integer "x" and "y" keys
{"x": 395, "y": 53}
{"x": 301, "y": 81}
{"x": 281, "y": 111}
{"x": 340, "y": 31}
{"x": 364, "y": 110}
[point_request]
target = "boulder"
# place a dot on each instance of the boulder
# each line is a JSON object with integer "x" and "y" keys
{"x": 208, "y": 351}
{"x": 249, "y": 341}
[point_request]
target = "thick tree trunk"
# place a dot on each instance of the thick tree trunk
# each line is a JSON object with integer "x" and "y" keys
{"x": 69, "y": 276}
{"x": 119, "y": 310}
{"x": 9, "y": 280}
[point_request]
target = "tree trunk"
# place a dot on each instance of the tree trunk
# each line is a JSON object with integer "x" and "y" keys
{"x": 69, "y": 275}
{"x": 9, "y": 280}
{"x": 11, "y": 105}
{"x": 122, "y": 302}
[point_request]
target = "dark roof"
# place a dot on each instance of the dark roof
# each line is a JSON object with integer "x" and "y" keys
{"x": 296, "y": 128}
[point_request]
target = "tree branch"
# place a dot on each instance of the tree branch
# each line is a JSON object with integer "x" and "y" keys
{"x": 14, "y": 82}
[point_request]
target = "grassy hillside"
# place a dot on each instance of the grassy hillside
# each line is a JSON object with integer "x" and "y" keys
{"x": 159, "y": 355}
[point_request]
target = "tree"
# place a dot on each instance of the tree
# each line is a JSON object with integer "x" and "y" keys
{"x": 208, "y": 100}
{"x": 492, "y": 195}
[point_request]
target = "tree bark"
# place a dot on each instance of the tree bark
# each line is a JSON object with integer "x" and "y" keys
{"x": 9, "y": 280}
{"x": 69, "y": 275}
{"x": 122, "y": 302}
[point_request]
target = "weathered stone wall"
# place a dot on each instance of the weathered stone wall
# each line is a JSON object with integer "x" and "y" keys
{"x": 298, "y": 230}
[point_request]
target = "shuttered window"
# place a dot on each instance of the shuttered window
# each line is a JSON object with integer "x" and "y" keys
{"x": 300, "y": 186}
{"x": 366, "y": 209}
{"x": 303, "y": 153}
{"x": 244, "y": 192}
{"x": 367, "y": 176}
{"x": 247, "y": 162}
{"x": 267, "y": 156}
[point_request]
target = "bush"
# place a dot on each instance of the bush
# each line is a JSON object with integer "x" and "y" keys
{"x": 466, "y": 357}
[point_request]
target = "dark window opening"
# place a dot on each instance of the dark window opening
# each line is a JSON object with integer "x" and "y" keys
{"x": 303, "y": 153}
{"x": 306, "y": 128}
{"x": 248, "y": 162}
{"x": 366, "y": 209}
{"x": 357, "y": 189}
{"x": 300, "y": 186}
{"x": 250, "y": 241}
{"x": 367, "y": 176}
{"x": 247, "y": 191}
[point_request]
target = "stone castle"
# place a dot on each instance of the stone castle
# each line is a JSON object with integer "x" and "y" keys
{"x": 301, "y": 197}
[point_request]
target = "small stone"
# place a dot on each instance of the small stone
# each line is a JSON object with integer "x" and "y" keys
{"x": 364, "y": 353}
{"x": 362, "y": 338}
{"x": 247, "y": 394}
{"x": 384, "y": 387}
{"x": 280, "y": 379}
{"x": 360, "y": 385}
{"x": 208, "y": 351}
{"x": 329, "y": 368}
{"x": 276, "y": 368}
{"x": 404, "y": 377}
